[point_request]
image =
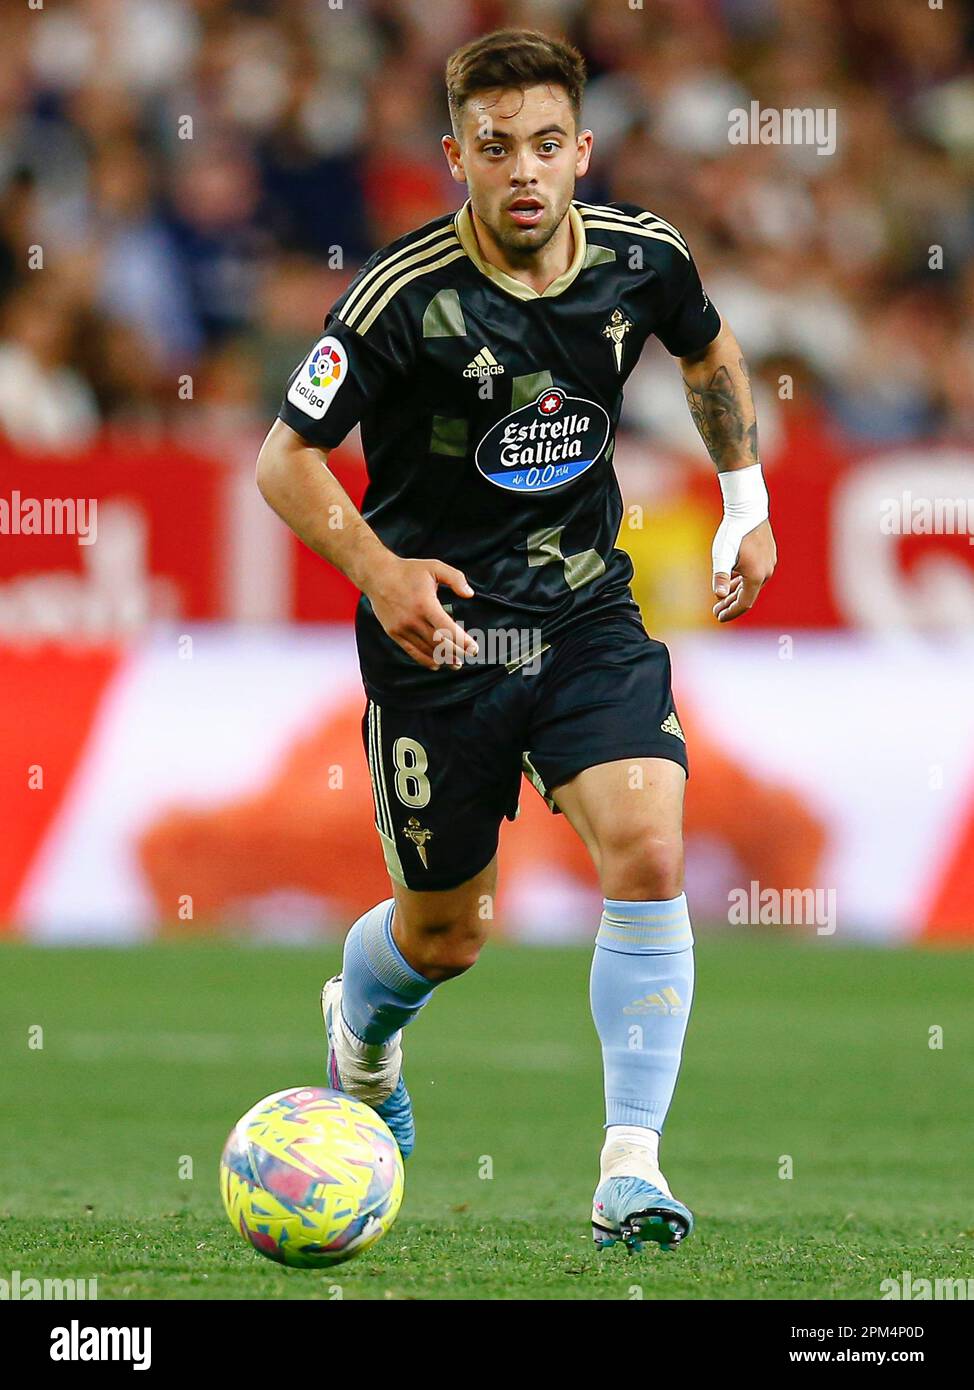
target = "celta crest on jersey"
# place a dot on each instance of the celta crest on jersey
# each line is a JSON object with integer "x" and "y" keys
{"x": 615, "y": 330}
{"x": 544, "y": 444}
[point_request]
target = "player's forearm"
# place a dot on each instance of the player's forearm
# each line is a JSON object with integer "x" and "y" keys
{"x": 718, "y": 392}
{"x": 296, "y": 483}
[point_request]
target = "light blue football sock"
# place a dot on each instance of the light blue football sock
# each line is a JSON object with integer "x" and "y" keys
{"x": 381, "y": 992}
{"x": 641, "y": 988}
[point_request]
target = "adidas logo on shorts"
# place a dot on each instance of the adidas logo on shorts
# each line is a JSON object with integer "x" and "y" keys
{"x": 671, "y": 725}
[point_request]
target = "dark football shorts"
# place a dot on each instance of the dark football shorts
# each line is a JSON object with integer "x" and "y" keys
{"x": 443, "y": 778}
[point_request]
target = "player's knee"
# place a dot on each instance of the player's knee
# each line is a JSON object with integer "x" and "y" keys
{"x": 446, "y": 962}
{"x": 438, "y": 971}
{"x": 444, "y": 952}
{"x": 640, "y": 867}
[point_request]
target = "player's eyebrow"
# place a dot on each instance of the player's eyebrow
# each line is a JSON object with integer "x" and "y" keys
{"x": 505, "y": 135}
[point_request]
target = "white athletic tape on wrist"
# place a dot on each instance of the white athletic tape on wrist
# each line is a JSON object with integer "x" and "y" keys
{"x": 745, "y": 506}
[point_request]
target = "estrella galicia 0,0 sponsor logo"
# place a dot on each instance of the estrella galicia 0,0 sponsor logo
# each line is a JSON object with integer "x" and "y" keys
{"x": 545, "y": 444}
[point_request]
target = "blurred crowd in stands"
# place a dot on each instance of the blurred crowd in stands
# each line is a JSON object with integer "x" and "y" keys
{"x": 187, "y": 185}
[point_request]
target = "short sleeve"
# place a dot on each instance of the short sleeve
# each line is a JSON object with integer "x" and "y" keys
{"x": 342, "y": 376}
{"x": 692, "y": 322}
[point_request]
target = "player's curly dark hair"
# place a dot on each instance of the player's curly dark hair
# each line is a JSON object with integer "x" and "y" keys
{"x": 513, "y": 58}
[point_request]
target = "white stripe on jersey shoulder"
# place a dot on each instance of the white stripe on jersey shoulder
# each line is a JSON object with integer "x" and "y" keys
{"x": 636, "y": 229}
{"x": 649, "y": 218}
{"x": 645, "y": 224}
{"x": 418, "y": 256}
{"x": 363, "y": 325}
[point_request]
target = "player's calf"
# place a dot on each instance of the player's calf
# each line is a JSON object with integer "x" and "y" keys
{"x": 641, "y": 991}
{"x": 365, "y": 1010}
{"x": 380, "y": 991}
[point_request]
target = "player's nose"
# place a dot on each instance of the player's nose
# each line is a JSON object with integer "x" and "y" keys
{"x": 525, "y": 169}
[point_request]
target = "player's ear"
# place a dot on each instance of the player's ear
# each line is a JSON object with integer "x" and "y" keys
{"x": 583, "y": 153}
{"x": 454, "y": 157}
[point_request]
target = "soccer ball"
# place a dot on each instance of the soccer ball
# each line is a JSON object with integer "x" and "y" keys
{"x": 311, "y": 1177}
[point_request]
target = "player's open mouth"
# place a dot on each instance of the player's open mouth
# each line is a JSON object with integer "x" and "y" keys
{"x": 526, "y": 212}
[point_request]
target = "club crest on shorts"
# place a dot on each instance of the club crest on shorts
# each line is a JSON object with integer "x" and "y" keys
{"x": 545, "y": 444}
{"x": 419, "y": 835}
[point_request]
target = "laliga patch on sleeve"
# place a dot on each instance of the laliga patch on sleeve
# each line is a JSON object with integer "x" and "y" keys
{"x": 320, "y": 378}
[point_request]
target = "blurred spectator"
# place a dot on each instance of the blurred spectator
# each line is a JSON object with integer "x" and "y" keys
{"x": 44, "y": 403}
{"x": 143, "y": 281}
{"x": 214, "y": 197}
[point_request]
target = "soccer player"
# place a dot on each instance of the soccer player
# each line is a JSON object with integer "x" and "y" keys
{"x": 484, "y": 356}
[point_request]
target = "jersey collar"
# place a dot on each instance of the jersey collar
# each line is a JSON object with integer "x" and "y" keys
{"x": 468, "y": 240}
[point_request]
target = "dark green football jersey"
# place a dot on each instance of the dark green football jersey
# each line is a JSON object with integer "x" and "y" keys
{"x": 488, "y": 415}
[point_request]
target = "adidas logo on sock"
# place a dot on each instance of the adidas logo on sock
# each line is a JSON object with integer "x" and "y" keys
{"x": 483, "y": 365}
{"x": 666, "y": 1002}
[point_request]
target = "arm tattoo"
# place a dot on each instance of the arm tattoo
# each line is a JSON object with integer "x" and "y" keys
{"x": 720, "y": 412}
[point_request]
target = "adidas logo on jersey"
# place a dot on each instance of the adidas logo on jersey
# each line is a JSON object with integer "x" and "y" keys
{"x": 671, "y": 725}
{"x": 483, "y": 365}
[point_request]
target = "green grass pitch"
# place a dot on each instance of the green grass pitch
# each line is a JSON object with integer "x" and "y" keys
{"x": 812, "y": 1050}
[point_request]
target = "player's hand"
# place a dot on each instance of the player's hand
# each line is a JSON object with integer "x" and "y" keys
{"x": 738, "y": 591}
{"x": 403, "y": 598}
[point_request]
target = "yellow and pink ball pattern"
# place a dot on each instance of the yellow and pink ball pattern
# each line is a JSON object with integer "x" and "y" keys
{"x": 311, "y": 1177}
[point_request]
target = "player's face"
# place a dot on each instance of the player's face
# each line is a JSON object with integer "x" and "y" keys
{"x": 520, "y": 154}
